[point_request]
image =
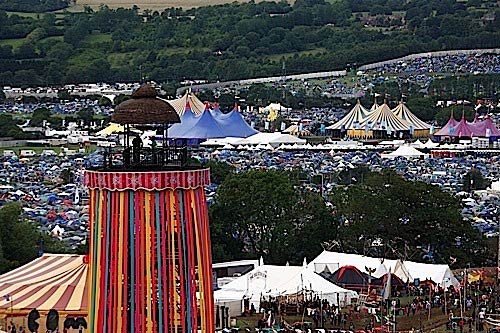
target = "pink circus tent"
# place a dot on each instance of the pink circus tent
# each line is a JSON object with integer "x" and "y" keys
{"x": 465, "y": 129}
{"x": 448, "y": 128}
{"x": 486, "y": 128}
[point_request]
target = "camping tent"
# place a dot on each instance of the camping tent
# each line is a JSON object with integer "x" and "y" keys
{"x": 53, "y": 281}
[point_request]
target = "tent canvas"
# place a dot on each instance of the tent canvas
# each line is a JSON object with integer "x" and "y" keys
{"x": 270, "y": 280}
{"x": 53, "y": 281}
{"x": 352, "y": 119}
{"x": 112, "y": 128}
{"x": 205, "y": 127}
{"x": 405, "y": 270}
{"x": 384, "y": 119}
{"x": 405, "y": 151}
{"x": 402, "y": 111}
{"x": 180, "y": 104}
{"x": 234, "y": 125}
{"x": 274, "y": 139}
{"x": 348, "y": 277}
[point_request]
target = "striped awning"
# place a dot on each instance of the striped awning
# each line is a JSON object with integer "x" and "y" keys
{"x": 402, "y": 111}
{"x": 352, "y": 119}
{"x": 53, "y": 281}
{"x": 179, "y": 104}
{"x": 384, "y": 119}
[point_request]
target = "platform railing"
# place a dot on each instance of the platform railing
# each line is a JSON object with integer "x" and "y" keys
{"x": 137, "y": 158}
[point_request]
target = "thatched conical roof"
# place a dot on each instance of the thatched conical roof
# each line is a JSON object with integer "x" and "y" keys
{"x": 145, "y": 108}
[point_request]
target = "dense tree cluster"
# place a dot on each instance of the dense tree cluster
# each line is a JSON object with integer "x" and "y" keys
{"x": 264, "y": 213}
{"x": 21, "y": 241}
{"x": 373, "y": 213}
{"x": 230, "y": 41}
{"x": 474, "y": 181}
{"x": 37, "y": 6}
{"x": 382, "y": 214}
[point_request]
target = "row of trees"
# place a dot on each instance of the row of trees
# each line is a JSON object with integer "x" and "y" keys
{"x": 37, "y": 6}
{"x": 268, "y": 213}
{"x": 228, "y": 42}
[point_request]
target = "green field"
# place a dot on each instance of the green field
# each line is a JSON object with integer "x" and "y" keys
{"x": 98, "y": 38}
{"x": 15, "y": 43}
{"x": 23, "y": 14}
{"x": 278, "y": 57}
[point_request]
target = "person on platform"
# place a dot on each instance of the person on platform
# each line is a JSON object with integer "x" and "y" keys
{"x": 136, "y": 145}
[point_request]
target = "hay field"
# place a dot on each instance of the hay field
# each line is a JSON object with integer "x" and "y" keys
{"x": 152, "y": 4}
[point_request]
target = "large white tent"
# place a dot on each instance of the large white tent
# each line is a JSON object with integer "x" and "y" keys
{"x": 274, "y": 139}
{"x": 405, "y": 270}
{"x": 273, "y": 281}
{"x": 405, "y": 151}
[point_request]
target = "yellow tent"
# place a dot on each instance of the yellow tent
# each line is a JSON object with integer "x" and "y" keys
{"x": 111, "y": 129}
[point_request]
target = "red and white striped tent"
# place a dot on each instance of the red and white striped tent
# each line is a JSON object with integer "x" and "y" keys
{"x": 53, "y": 281}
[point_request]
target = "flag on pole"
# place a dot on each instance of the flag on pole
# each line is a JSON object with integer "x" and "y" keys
{"x": 77, "y": 197}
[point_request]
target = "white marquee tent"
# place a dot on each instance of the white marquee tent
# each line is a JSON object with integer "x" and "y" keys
{"x": 405, "y": 151}
{"x": 274, "y": 139}
{"x": 270, "y": 280}
{"x": 405, "y": 270}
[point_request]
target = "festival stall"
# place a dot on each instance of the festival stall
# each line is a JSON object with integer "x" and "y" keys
{"x": 280, "y": 281}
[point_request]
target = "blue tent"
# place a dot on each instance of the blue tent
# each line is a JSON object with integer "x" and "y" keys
{"x": 216, "y": 112}
{"x": 234, "y": 124}
{"x": 188, "y": 120}
{"x": 205, "y": 127}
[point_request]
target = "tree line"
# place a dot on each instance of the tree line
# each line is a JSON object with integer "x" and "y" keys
{"x": 230, "y": 41}
{"x": 37, "y": 6}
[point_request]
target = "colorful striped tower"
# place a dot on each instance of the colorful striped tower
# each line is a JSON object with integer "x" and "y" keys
{"x": 150, "y": 257}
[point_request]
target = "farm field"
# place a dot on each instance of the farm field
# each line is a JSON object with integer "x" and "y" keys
{"x": 153, "y": 4}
